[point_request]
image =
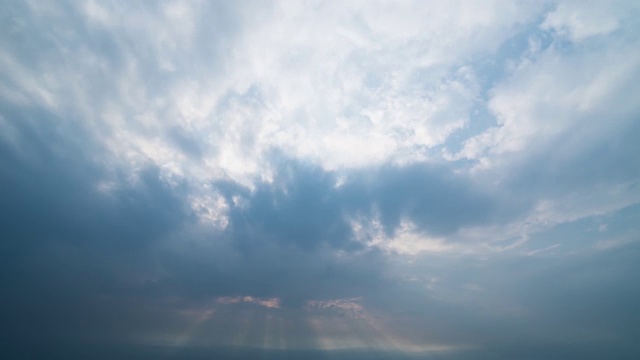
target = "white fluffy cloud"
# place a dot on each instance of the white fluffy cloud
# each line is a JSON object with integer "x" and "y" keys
{"x": 342, "y": 85}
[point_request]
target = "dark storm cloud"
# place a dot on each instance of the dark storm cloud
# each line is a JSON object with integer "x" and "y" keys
{"x": 81, "y": 259}
{"x": 301, "y": 209}
{"x": 306, "y": 206}
{"x": 287, "y": 231}
{"x": 66, "y": 247}
{"x": 434, "y": 198}
{"x": 79, "y": 264}
{"x": 50, "y": 189}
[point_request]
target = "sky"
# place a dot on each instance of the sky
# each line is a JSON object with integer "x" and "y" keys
{"x": 320, "y": 179}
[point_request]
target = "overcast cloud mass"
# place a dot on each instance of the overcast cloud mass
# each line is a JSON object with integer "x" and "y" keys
{"x": 320, "y": 179}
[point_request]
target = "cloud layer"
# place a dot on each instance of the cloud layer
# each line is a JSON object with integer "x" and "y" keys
{"x": 448, "y": 179}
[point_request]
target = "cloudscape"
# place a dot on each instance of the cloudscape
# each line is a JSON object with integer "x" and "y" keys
{"x": 320, "y": 179}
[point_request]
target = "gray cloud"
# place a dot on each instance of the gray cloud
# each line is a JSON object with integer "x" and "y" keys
{"x": 117, "y": 252}
{"x": 184, "y": 180}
